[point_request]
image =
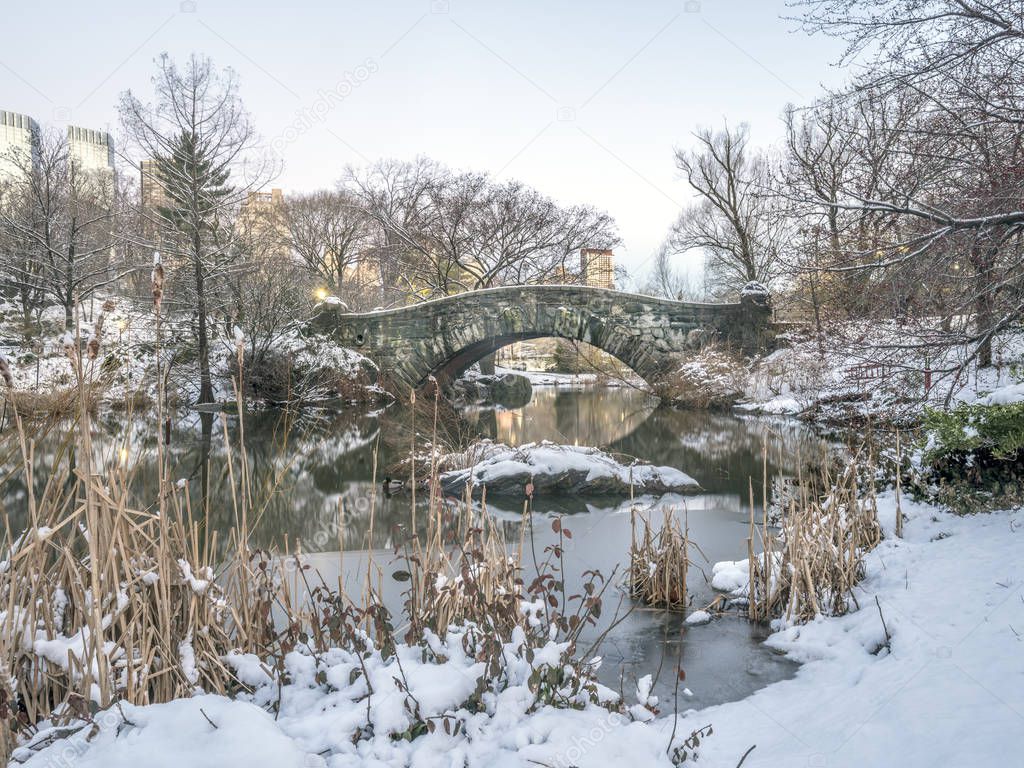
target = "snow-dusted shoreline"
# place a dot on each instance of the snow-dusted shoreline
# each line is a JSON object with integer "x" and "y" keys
{"x": 946, "y": 687}
{"x": 864, "y": 374}
{"x": 124, "y": 369}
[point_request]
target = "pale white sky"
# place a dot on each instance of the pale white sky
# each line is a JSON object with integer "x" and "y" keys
{"x": 584, "y": 100}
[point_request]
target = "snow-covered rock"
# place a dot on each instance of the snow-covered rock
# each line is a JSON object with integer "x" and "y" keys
{"x": 697, "y": 618}
{"x": 555, "y": 468}
{"x": 754, "y": 288}
{"x": 507, "y": 388}
{"x": 730, "y": 575}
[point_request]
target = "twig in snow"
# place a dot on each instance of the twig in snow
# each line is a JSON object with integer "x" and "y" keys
{"x": 675, "y": 696}
{"x": 888, "y": 637}
{"x": 752, "y": 746}
{"x": 208, "y": 718}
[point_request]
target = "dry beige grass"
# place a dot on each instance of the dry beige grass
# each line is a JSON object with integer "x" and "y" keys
{"x": 61, "y": 401}
{"x": 811, "y": 565}
{"x": 659, "y": 561}
{"x": 101, "y": 602}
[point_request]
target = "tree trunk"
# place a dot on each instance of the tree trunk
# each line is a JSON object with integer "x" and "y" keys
{"x": 206, "y": 421}
{"x": 983, "y": 259}
{"x": 205, "y": 382}
{"x": 69, "y": 291}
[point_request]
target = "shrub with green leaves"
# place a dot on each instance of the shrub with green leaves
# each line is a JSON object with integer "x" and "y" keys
{"x": 975, "y": 457}
{"x": 995, "y": 431}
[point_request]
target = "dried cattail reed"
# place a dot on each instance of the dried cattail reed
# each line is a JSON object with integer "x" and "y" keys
{"x": 93, "y": 345}
{"x": 659, "y": 562}
{"x": 5, "y": 371}
{"x": 810, "y": 566}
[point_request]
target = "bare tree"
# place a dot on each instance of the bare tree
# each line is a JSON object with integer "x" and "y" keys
{"x": 441, "y": 232}
{"x": 735, "y": 222}
{"x": 267, "y": 288}
{"x": 949, "y": 206}
{"x": 456, "y": 233}
{"x": 204, "y": 145}
{"x": 396, "y": 195}
{"x": 328, "y": 231}
{"x": 667, "y": 280}
{"x": 61, "y": 224}
{"x": 527, "y": 238}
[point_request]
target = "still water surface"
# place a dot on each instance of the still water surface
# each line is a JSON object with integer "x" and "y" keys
{"x": 302, "y": 470}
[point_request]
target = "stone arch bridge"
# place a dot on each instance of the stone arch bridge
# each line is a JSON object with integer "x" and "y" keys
{"x": 443, "y": 337}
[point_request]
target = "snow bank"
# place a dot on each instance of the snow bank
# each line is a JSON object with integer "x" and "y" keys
{"x": 929, "y": 671}
{"x": 881, "y": 370}
{"x": 342, "y": 709}
{"x": 563, "y": 468}
{"x": 947, "y": 689}
{"x": 201, "y": 732}
{"x": 126, "y": 363}
{"x": 552, "y": 379}
{"x": 1013, "y": 393}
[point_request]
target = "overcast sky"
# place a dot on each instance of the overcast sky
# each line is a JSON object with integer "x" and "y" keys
{"x": 585, "y": 100}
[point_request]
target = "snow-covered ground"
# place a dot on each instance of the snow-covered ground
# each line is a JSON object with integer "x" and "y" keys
{"x": 947, "y": 690}
{"x": 552, "y": 379}
{"x": 929, "y": 671}
{"x": 865, "y": 371}
{"x": 568, "y": 380}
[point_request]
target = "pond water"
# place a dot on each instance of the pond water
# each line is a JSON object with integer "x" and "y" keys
{"x": 303, "y": 470}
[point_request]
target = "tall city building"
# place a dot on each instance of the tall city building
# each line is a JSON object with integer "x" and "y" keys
{"x": 153, "y": 197}
{"x": 90, "y": 150}
{"x": 261, "y": 221}
{"x": 261, "y": 211}
{"x": 258, "y": 203}
{"x": 151, "y": 190}
{"x": 19, "y": 135}
{"x": 597, "y": 268}
{"x": 91, "y": 153}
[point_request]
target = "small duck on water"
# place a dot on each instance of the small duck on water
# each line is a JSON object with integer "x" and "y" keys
{"x": 391, "y": 487}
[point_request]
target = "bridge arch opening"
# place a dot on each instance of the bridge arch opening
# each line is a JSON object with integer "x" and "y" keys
{"x": 541, "y": 352}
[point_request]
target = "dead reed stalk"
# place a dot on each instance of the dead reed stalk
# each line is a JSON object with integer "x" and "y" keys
{"x": 811, "y": 564}
{"x": 659, "y": 561}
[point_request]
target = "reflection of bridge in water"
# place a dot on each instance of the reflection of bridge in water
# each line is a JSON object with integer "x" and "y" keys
{"x": 443, "y": 337}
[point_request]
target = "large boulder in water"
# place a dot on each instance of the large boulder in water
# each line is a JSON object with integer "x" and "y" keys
{"x": 511, "y": 390}
{"x": 565, "y": 469}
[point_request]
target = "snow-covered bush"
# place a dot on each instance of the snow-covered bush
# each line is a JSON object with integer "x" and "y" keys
{"x": 713, "y": 377}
